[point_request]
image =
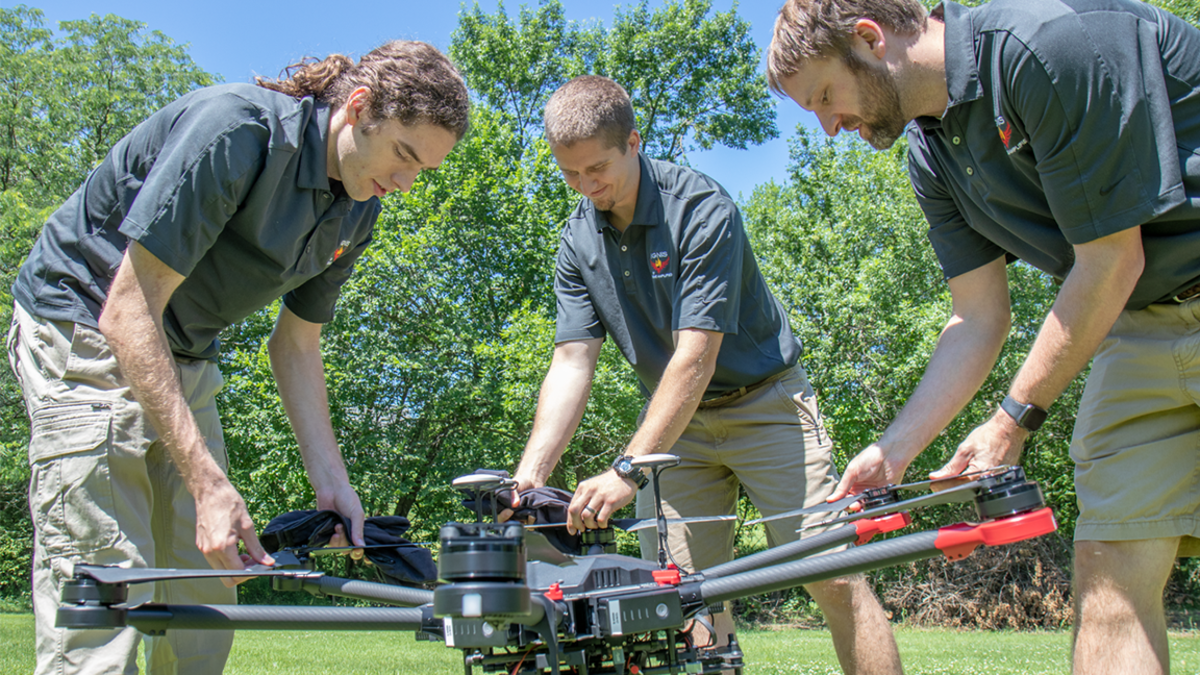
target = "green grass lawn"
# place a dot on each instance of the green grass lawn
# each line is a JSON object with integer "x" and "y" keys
{"x": 809, "y": 652}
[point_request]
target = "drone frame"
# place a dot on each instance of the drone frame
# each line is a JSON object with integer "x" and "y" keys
{"x": 563, "y": 616}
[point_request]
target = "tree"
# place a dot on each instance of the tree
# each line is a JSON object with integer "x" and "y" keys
{"x": 692, "y": 77}
{"x": 63, "y": 102}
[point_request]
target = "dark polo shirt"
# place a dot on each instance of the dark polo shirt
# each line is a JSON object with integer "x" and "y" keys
{"x": 684, "y": 262}
{"x": 1069, "y": 120}
{"x": 229, "y": 187}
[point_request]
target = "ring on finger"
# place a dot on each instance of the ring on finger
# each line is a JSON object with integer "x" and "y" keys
{"x": 589, "y": 508}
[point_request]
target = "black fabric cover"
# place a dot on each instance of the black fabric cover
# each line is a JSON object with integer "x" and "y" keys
{"x": 396, "y": 559}
{"x": 546, "y": 505}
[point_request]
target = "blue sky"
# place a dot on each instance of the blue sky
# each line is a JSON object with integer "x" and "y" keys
{"x": 240, "y": 39}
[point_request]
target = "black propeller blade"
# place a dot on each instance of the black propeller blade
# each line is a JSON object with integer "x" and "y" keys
{"x": 635, "y": 524}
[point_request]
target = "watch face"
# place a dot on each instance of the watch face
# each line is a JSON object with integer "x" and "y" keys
{"x": 624, "y": 466}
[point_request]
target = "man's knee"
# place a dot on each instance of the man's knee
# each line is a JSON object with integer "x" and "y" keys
{"x": 842, "y": 592}
{"x": 1122, "y": 572}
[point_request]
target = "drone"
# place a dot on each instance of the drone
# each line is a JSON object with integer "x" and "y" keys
{"x": 513, "y": 603}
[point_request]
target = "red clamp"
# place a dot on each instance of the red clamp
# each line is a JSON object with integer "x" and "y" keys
{"x": 959, "y": 541}
{"x": 554, "y": 592}
{"x": 667, "y": 577}
{"x": 870, "y": 527}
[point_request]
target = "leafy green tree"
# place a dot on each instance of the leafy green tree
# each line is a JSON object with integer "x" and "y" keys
{"x": 692, "y": 74}
{"x": 63, "y": 101}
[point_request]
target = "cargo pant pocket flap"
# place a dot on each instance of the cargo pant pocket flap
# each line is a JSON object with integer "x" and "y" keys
{"x": 67, "y": 429}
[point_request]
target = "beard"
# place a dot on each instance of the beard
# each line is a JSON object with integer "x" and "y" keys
{"x": 883, "y": 120}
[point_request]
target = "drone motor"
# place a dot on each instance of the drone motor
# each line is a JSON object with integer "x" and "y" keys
{"x": 1007, "y": 494}
{"x": 483, "y": 565}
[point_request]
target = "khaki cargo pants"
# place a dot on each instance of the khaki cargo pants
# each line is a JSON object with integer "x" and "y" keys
{"x": 104, "y": 491}
{"x": 770, "y": 440}
{"x": 1136, "y": 444}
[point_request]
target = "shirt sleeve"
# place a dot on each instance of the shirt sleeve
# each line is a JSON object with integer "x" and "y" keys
{"x": 316, "y": 299}
{"x": 1098, "y": 122}
{"x": 210, "y": 157}
{"x": 711, "y": 250}
{"x": 959, "y": 247}
{"x": 577, "y": 318}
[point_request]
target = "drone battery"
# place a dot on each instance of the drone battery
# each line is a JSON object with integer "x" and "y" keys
{"x": 472, "y": 633}
{"x": 639, "y": 612}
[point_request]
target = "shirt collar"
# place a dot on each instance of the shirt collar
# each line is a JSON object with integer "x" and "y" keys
{"x": 313, "y": 171}
{"x": 962, "y": 69}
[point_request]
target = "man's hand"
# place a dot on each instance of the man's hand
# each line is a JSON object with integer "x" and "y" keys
{"x": 872, "y": 468}
{"x": 221, "y": 521}
{"x": 596, "y": 499}
{"x": 524, "y": 483}
{"x": 996, "y": 442}
{"x": 345, "y": 501}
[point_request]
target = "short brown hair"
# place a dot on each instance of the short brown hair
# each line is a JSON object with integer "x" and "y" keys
{"x": 589, "y": 106}
{"x": 411, "y": 82}
{"x": 818, "y": 29}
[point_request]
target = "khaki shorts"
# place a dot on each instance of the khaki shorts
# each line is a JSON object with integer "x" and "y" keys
{"x": 771, "y": 441}
{"x": 1136, "y": 444}
{"x": 103, "y": 490}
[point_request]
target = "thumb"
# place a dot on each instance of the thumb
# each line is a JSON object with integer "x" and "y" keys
{"x": 356, "y": 532}
{"x": 957, "y": 464}
{"x": 842, "y": 489}
{"x": 255, "y": 549}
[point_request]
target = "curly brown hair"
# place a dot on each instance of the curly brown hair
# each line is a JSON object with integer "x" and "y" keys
{"x": 411, "y": 82}
{"x": 818, "y": 29}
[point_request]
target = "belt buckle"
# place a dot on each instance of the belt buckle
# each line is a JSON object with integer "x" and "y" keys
{"x": 1187, "y": 295}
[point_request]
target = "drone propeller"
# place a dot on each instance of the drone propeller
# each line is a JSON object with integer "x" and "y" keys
{"x": 830, "y": 507}
{"x": 962, "y": 493}
{"x": 135, "y": 575}
{"x": 929, "y": 482}
{"x": 635, "y": 524}
{"x": 326, "y": 550}
{"x": 873, "y": 498}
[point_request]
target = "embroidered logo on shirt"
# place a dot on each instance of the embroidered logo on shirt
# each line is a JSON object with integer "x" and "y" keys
{"x": 340, "y": 250}
{"x": 1006, "y": 134}
{"x": 1005, "y": 128}
{"x": 658, "y": 262}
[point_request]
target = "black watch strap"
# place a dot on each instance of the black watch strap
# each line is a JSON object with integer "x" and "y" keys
{"x": 1027, "y": 415}
{"x": 623, "y": 466}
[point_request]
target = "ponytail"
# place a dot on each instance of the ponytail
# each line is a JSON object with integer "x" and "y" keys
{"x": 411, "y": 82}
{"x": 309, "y": 77}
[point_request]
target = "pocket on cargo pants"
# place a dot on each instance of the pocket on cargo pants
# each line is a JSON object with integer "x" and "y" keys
{"x": 70, "y": 492}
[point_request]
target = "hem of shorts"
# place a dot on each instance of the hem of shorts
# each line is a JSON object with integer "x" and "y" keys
{"x": 1180, "y": 526}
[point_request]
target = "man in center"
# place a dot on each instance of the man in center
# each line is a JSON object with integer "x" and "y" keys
{"x": 656, "y": 258}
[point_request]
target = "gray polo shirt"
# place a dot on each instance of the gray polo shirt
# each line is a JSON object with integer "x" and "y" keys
{"x": 228, "y": 186}
{"x": 1069, "y": 120}
{"x": 684, "y": 262}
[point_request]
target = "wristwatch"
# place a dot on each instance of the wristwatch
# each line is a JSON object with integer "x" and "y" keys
{"x": 1027, "y": 415}
{"x": 624, "y": 467}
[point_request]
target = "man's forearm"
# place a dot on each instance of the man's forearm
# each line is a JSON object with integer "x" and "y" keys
{"x": 131, "y": 323}
{"x": 965, "y": 354}
{"x": 678, "y": 394}
{"x": 299, "y": 371}
{"x": 1088, "y": 304}
{"x": 561, "y": 402}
